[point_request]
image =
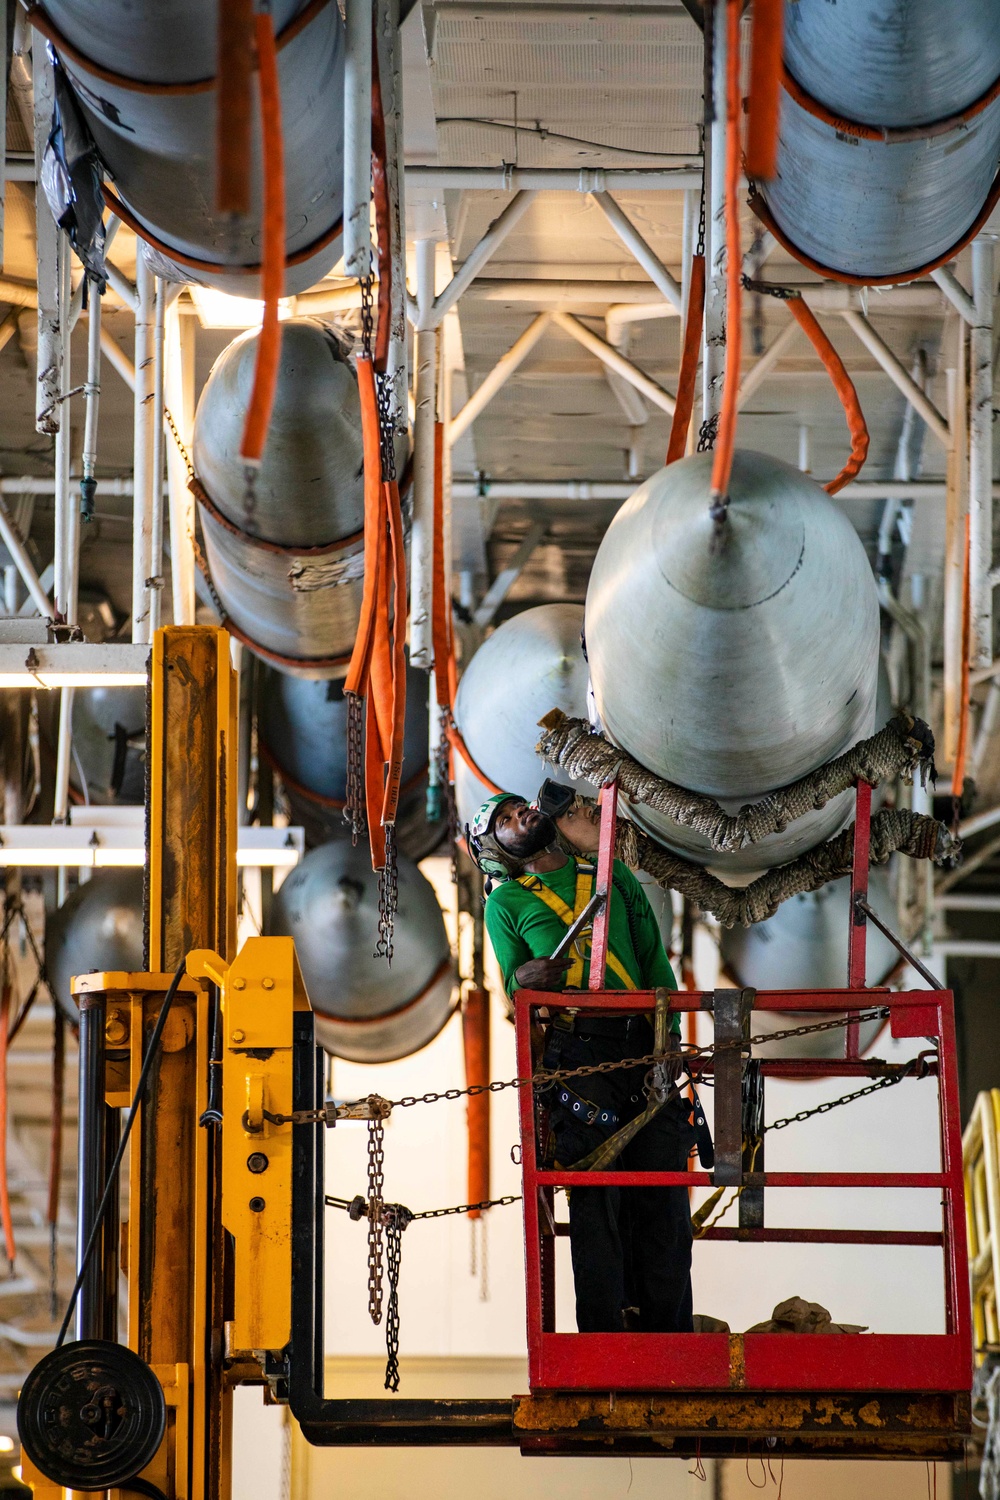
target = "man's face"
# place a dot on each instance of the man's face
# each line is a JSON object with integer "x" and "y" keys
{"x": 523, "y": 830}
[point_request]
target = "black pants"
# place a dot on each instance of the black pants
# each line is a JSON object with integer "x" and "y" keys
{"x": 631, "y": 1247}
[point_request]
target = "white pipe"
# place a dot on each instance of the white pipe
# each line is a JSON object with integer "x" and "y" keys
{"x": 898, "y": 374}
{"x": 501, "y": 372}
{"x": 966, "y": 948}
{"x": 121, "y": 285}
{"x": 22, "y": 561}
{"x": 805, "y": 448}
{"x": 491, "y": 241}
{"x": 948, "y": 902}
{"x": 978, "y": 822}
{"x": 989, "y": 721}
{"x": 92, "y": 398}
{"x": 143, "y": 452}
{"x": 954, "y": 547}
{"x": 644, "y": 255}
{"x": 981, "y": 455}
{"x": 179, "y": 392}
{"x": 955, "y": 292}
{"x": 511, "y": 179}
{"x": 615, "y": 361}
{"x": 714, "y": 338}
{"x": 48, "y": 410}
{"x": 422, "y": 533}
{"x": 67, "y": 516}
{"x": 357, "y": 136}
{"x": 156, "y": 496}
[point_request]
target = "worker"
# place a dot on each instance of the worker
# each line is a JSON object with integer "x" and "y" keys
{"x": 631, "y": 1248}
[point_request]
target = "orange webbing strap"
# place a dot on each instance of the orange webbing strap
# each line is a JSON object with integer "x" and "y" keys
{"x": 844, "y": 387}
{"x": 356, "y": 680}
{"x": 394, "y": 758}
{"x": 233, "y": 106}
{"x": 962, "y": 748}
{"x": 767, "y": 38}
{"x": 476, "y": 1045}
{"x": 272, "y": 272}
{"x": 374, "y": 784}
{"x": 440, "y": 602}
{"x": 725, "y": 442}
{"x": 380, "y": 666}
{"x": 689, "y": 361}
{"x": 380, "y": 193}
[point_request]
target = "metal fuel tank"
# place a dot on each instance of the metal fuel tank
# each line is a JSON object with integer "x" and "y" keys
{"x": 288, "y": 567}
{"x": 144, "y": 76}
{"x": 302, "y": 729}
{"x": 365, "y": 1010}
{"x": 99, "y": 926}
{"x": 889, "y": 134}
{"x": 531, "y": 663}
{"x": 732, "y": 663}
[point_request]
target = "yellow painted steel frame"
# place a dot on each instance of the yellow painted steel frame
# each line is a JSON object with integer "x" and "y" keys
{"x": 981, "y": 1162}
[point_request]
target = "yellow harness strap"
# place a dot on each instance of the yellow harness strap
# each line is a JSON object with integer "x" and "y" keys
{"x": 581, "y": 948}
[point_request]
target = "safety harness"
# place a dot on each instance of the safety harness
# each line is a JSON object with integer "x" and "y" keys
{"x": 566, "y": 914}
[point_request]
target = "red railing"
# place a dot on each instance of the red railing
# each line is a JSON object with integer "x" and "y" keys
{"x": 762, "y": 1361}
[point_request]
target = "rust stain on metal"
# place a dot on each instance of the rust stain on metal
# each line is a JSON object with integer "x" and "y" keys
{"x": 737, "y": 1362}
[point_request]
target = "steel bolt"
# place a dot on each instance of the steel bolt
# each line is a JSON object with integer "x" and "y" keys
{"x": 239, "y": 984}
{"x": 268, "y": 984}
{"x": 238, "y": 1036}
{"x": 257, "y": 1161}
{"x": 116, "y": 1028}
{"x": 257, "y": 1205}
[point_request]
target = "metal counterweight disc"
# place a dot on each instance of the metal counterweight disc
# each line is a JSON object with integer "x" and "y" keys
{"x": 91, "y": 1415}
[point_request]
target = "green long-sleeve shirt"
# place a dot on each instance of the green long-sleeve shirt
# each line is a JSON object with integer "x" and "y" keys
{"x": 522, "y": 927}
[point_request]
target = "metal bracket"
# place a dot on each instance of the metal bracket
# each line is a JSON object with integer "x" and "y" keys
{"x": 731, "y": 1009}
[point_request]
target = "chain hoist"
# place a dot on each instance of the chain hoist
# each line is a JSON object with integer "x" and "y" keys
{"x": 395, "y": 1219}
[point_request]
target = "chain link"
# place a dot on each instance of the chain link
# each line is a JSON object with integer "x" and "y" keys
{"x": 182, "y": 450}
{"x": 707, "y": 433}
{"x": 911, "y": 1071}
{"x": 388, "y": 894}
{"x": 365, "y": 284}
{"x": 354, "y": 801}
{"x": 395, "y": 1218}
{"x": 376, "y": 1183}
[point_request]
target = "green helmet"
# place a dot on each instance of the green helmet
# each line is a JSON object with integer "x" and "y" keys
{"x": 483, "y": 845}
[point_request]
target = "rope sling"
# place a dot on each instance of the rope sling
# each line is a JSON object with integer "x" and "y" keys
{"x": 905, "y": 747}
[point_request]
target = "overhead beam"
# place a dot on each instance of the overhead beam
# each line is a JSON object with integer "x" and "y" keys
{"x": 615, "y": 361}
{"x": 955, "y": 292}
{"x": 500, "y": 373}
{"x": 633, "y": 241}
{"x": 431, "y": 315}
{"x": 759, "y": 372}
{"x": 511, "y": 179}
{"x": 899, "y": 375}
{"x": 507, "y": 577}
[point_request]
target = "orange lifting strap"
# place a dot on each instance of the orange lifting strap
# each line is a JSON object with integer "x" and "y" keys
{"x": 272, "y": 273}
{"x": 725, "y": 442}
{"x": 766, "y": 41}
{"x": 843, "y": 385}
{"x": 233, "y": 109}
{"x": 689, "y": 361}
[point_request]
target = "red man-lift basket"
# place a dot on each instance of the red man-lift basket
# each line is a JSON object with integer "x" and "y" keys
{"x": 898, "y": 1394}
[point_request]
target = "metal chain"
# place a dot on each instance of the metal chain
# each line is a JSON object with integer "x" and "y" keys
{"x": 376, "y": 1183}
{"x": 388, "y": 894}
{"x": 427, "y": 1213}
{"x": 395, "y": 1218}
{"x": 354, "y": 801}
{"x": 701, "y": 210}
{"x": 871, "y": 1088}
{"x": 707, "y": 433}
{"x": 365, "y": 284}
{"x": 182, "y": 450}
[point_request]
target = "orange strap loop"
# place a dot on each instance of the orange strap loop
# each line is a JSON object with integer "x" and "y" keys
{"x": 265, "y": 375}
{"x": 725, "y": 442}
{"x": 394, "y": 774}
{"x": 962, "y": 748}
{"x": 689, "y": 361}
{"x": 766, "y": 43}
{"x": 357, "y": 673}
{"x": 476, "y": 1045}
{"x": 843, "y": 385}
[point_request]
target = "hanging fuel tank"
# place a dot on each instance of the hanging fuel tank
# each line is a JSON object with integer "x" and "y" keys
{"x": 734, "y": 662}
{"x": 99, "y": 926}
{"x": 302, "y": 730}
{"x": 889, "y": 134}
{"x": 804, "y": 947}
{"x": 287, "y": 559}
{"x": 531, "y": 663}
{"x": 109, "y": 743}
{"x": 145, "y": 79}
{"x": 366, "y": 1011}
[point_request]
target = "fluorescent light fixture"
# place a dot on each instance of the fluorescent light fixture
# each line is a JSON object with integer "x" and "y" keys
{"x": 74, "y": 664}
{"x": 6, "y": 1444}
{"x": 100, "y": 845}
{"x": 221, "y": 310}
